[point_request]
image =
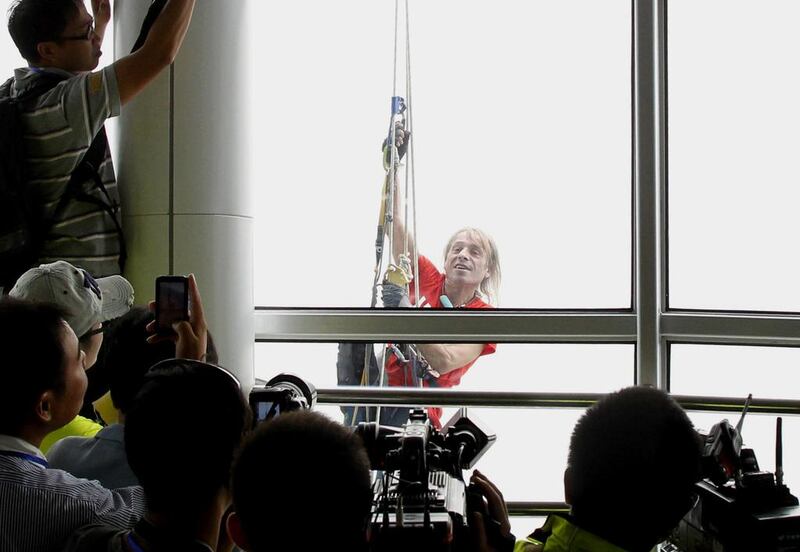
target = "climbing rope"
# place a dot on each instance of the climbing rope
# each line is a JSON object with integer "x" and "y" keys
{"x": 400, "y": 117}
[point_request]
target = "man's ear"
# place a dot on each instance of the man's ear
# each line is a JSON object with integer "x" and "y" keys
{"x": 47, "y": 52}
{"x": 44, "y": 407}
{"x": 234, "y": 526}
{"x": 568, "y": 486}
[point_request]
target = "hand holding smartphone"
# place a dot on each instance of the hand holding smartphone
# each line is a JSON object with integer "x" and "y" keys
{"x": 178, "y": 300}
{"x": 172, "y": 303}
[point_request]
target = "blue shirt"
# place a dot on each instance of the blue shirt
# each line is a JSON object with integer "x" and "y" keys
{"x": 101, "y": 457}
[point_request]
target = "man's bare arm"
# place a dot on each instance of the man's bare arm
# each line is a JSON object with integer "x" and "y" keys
{"x": 137, "y": 70}
{"x": 398, "y": 224}
{"x": 446, "y": 357}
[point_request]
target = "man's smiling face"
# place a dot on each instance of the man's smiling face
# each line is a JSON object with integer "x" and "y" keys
{"x": 466, "y": 262}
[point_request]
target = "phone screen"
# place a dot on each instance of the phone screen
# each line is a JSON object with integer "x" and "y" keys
{"x": 172, "y": 302}
{"x": 267, "y": 410}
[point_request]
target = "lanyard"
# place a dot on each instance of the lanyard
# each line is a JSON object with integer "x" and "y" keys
{"x": 24, "y": 456}
{"x": 136, "y": 547}
{"x": 133, "y": 545}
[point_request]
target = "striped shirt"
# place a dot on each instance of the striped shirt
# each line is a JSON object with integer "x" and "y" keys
{"x": 40, "y": 508}
{"x": 59, "y": 127}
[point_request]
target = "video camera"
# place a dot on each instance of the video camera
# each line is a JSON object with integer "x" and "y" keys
{"x": 740, "y": 507}
{"x": 283, "y": 393}
{"x": 420, "y": 499}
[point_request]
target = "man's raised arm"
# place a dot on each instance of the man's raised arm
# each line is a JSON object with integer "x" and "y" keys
{"x": 135, "y": 71}
{"x": 398, "y": 223}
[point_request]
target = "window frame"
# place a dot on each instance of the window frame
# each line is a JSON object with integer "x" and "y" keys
{"x": 650, "y": 324}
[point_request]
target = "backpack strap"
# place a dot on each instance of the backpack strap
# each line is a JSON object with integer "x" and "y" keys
{"x": 88, "y": 169}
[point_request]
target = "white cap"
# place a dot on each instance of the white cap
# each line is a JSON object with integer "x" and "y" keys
{"x": 86, "y": 301}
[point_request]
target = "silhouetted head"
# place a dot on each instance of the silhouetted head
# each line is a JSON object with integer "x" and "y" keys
{"x": 301, "y": 480}
{"x": 633, "y": 460}
{"x": 181, "y": 432}
{"x": 126, "y": 356}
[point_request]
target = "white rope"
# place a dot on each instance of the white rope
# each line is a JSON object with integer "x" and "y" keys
{"x": 394, "y": 74}
{"x": 410, "y": 163}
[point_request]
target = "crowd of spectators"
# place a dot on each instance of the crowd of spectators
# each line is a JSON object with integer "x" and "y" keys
{"x": 182, "y": 469}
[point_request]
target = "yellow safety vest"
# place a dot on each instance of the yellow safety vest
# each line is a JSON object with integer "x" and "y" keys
{"x": 564, "y": 536}
{"x": 78, "y": 427}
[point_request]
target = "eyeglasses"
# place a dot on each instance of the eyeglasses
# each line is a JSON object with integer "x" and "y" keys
{"x": 87, "y": 36}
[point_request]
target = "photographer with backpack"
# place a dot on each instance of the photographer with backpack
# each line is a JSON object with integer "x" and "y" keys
{"x": 57, "y": 183}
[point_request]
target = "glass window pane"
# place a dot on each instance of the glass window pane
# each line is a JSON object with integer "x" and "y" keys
{"x": 734, "y": 370}
{"x": 733, "y": 142}
{"x": 509, "y": 463}
{"x": 521, "y": 526}
{"x": 529, "y": 367}
{"x": 522, "y": 123}
{"x": 556, "y": 368}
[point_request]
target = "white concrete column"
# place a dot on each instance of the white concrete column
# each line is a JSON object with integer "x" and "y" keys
{"x": 181, "y": 166}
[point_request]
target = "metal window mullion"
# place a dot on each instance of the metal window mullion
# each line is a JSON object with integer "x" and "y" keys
{"x": 731, "y": 328}
{"x": 647, "y": 292}
{"x": 536, "y": 509}
{"x": 409, "y": 396}
{"x": 662, "y": 157}
{"x": 331, "y": 325}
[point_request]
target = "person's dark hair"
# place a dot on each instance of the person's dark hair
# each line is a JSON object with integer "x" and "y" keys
{"x": 125, "y": 357}
{"x": 296, "y": 463}
{"x": 33, "y": 21}
{"x": 633, "y": 460}
{"x": 181, "y": 433}
{"x": 33, "y": 358}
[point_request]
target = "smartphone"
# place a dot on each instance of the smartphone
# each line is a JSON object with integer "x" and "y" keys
{"x": 172, "y": 302}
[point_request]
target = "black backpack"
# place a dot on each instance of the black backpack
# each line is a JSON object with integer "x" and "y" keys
{"x": 23, "y": 227}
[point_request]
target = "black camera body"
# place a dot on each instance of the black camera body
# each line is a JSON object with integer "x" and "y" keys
{"x": 421, "y": 501}
{"x": 283, "y": 393}
{"x": 740, "y": 507}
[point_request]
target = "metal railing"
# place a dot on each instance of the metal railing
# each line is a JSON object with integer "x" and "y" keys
{"x": 403, "y": 396}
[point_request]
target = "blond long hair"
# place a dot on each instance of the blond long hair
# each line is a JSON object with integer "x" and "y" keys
{"x": 490, "y": 286}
